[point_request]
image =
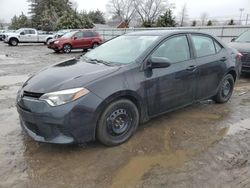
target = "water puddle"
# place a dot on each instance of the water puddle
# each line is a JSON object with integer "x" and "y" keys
{"x": 136, "y": 168}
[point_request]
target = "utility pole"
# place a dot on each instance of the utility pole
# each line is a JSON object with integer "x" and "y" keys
{"x": 241, "y": 10}
{"x": 247, "y": 19}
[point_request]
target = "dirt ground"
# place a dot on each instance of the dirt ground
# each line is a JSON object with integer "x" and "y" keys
{"x": 204, "y": 145}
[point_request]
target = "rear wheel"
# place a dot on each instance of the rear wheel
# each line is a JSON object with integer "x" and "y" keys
{"x": 67, "y": 48}
{"x": 47, "y": 41}
{"x": 118, "y": 122}
{"x": 95, "y": 45}
{"x": 225, "y": 89}
{"x": 13, "y": 42}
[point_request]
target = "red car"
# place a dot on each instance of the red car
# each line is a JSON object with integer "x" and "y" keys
{"x": 82, "y": 39}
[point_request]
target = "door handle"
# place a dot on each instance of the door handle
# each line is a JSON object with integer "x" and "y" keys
{"x": 223, "y": 59}
{"x": 191, "y": 68}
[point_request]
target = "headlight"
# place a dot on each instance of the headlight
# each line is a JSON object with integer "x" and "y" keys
{"x": 64, "y": 96}
{"x": 56, "y": 42}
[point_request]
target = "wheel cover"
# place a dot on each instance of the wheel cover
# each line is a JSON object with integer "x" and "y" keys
{"x": 13, "y": 42}
{"x": 119, "y": 122}
{"x": 67, "y": 48}
{"x": 226, "y": 88}
{"x": 95, "y": 45}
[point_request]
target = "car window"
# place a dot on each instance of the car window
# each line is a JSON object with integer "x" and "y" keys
{"x": 203, "y": 45}
{"x": 244, "y": 37}
{"x": 26, "y": 32}
{"x": 88, "y": 34}
{"x": 79, "y": 35}
{"x": 217, "y": 46}
{"x": 32, "y": 32}
{"x": 176, "y": 49}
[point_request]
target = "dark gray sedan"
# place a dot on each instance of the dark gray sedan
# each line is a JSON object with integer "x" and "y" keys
{"x": 242, "y": 44}
{"x": 106, "y": 93}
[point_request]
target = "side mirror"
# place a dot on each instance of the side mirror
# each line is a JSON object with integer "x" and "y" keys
{"x": 233, "y": 39}
{"x": 22, "y": 33}
{"x": 158, "y": 62}
{"x": 75, "y": 38}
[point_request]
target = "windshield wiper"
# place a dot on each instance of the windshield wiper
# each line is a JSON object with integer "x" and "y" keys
{"x": 102, "y": 62}
{"x": 95, "y": 61}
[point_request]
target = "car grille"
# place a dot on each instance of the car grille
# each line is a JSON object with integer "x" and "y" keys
{"x": 245, "y": 57}
{"x": 32, "y": 94}
{"x": 33, "y": 128}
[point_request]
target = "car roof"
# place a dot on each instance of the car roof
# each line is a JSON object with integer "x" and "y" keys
{"x": 163, "y": 32}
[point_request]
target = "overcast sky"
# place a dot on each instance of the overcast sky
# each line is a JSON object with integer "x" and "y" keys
{"x": 216, "y": 9}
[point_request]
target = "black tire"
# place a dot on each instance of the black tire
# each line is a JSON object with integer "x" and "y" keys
{"x": 225, "y": 89}
{"x": 13, "y": 42}
{"x": 67, "y": 48}
{"x": 47, "y": 41}
{"x": 95, "y": 45}
{"x": 117, "y": 123}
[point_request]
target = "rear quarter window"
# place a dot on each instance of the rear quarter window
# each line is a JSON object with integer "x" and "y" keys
{"x": 203, "y": 45}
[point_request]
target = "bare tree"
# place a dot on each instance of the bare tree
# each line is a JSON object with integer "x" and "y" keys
{"x": 183, "y": 15}
{"x": 150, "y": 10}
{"x": 204, "y": 17}
{"x": 121, "y": 9}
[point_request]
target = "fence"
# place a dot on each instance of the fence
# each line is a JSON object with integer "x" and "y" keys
{"x": 226, "y": 33}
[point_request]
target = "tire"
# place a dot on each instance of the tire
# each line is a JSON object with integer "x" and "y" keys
{"x": 95, "y": 45}
{"x": 13, "y": 42}
{"x": 67, "y": 48}
{"x": 117, "y": 123}
{"x": 47, "y": 41}
{"x": 225, "y": 89}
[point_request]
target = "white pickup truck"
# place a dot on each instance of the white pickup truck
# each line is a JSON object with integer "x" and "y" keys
{"x": 26, "y": 35}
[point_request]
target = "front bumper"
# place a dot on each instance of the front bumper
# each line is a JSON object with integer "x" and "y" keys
{"x": 65, "y": 124}
{"x": 55, "y": 46}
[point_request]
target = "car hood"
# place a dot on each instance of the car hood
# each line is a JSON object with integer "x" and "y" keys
{"x": 72, "y": 73}
{"x": 240, "y": 46}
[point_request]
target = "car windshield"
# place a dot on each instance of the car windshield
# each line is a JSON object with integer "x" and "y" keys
{"x": 68, "y": 35}
{"x": 245, "y": 37}
{"x": 122, "y": 50}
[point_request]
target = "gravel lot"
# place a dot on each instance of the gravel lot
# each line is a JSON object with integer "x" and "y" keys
{"x": 204, "y": 145}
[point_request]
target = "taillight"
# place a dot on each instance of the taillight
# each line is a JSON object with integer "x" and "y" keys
{"x": 239, "y": 56}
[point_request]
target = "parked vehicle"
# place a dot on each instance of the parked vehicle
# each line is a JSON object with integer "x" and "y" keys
{"x": 26, "y": 35}
{"x": 81, "y": 39}
{"x": 108, "y": 91}
{"x": 242, "y": 44}
{"x": 62, "y": 32}
{"x": 4, "y": 32}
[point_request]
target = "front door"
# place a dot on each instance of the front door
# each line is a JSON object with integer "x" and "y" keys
{"x": 174, "y": 86}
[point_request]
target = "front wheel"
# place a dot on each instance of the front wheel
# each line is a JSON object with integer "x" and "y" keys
{"x": 13, "y": 42}
{"x": 95, "y": 45}
{"x": 118, "y": 122}
{"x": 225, "y": 89}
{"x": 67, "y": 48}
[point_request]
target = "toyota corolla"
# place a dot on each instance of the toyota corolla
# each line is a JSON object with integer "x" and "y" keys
{"x": 105, "y": 94}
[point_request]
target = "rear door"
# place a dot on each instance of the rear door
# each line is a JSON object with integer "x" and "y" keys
{"x": 88, "y": 38}
{"x": 211, "y": 60}
{"x": 174, "y": 86}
